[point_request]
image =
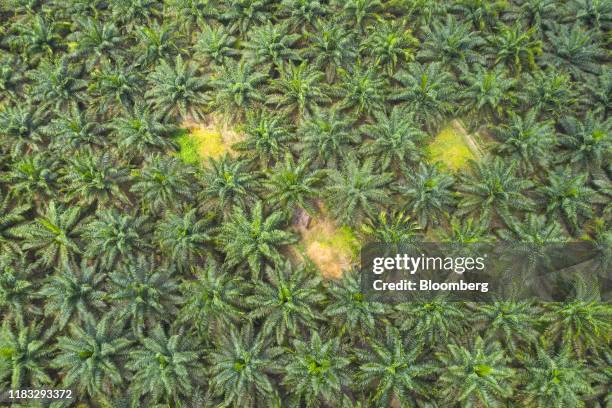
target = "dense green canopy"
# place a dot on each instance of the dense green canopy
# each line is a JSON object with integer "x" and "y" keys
{"x": 137, "y": 279}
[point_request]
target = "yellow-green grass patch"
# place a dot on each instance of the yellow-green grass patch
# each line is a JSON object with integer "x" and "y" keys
{"x": 197, "y": 145}
{"x": 451, "y": 148}
{"x": 188, "y": 147}
{"x": 200, "y": 142}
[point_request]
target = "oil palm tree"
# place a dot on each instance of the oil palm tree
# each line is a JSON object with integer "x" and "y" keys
{"x": 395, "y": 227}
{"x": 494, "y": 189}
{"x": 73, "y": 293}
{"x": 316, "y": 371}
{"x": 26, "y": 353}
{"x": 238, "y": 87}
{"x": 34, "y": 176}
{"x": 330, "y": 48}
{"x": 75, "y": 128}
{"x": 271, "y": 43}
{"x": 21, "y": 127}
{"x": 134, "y": 13}
{"x": 555, "y": 379}
{"x": 38, "y": 38}
{"x": 21, "y": 6}
{"x": 600, "y": 236}
{"x": 325, "y": 137}
{"x": 92, "y": 179}
{"x": 191, "y": 13}
{"x": 74, "y": 8}
{"x": 253, "y": 237}
{"x": 482, "y": 13}
{"x": 452, "y": 43}
{"x": 582, "y": 325}
{"x": 302, "y": 14}
{"x": 11, "y": 76}
{"x": 527, "y": 140}
{"x": 354, "y": 191}
{"x": 604, "y": 188}
{"x": 467, "y": 231}
{"x": 177, "y": 89}
{"x": 96, "y": 41}
{"x": 592, "y": 13}
{"x": 287, "y": 301}
{"x": 56, "y": 83}
{"x": 241, "y": 368}
{"x": 390, "y": 44}
{"x": 427, "y": 90}
{"x": 166, "y": 367}
{"x": 183, "y": 237}
{"x": 530, "y": 242}
{"x": 17, "y": 289}
{"x": 601, "y": 378}
{"x": 434, "y": 322}
{"x": 215, "y": 44}
{"x": 267, "y": 137}
{"x": 488, "y": 92}
{"x": 511, "y": 322}
{"x": 88, "y": 358}
{"x": 475, "y": 376}
{"x": 163, "y": 183}
{"x": 587, "y": 142}
{"x": 293, "y": 185}
{"x": 567, "y": 194}
{"x": 11, "y": 217}
{"x": 144, "y": 293}
{"x": 538, "y": 13}
{"x": 242, "y": 15}
{"x": 573, "y": 49}
{"x": 352, "y": 313}
{"x": 116, "y": 88}
{"x": 427, "y": 193}
{"x": 142, "y": 128}
{"x": 599, "y": 92}
{"x": 394, "y": 370}
{"x": 549, "y": 92}
{"x": 362, "y": 91}
{"x": 361, "y": 12}
{"x": 515, "y": 47}
{"x": 423, "y": 12}
{"x": 298, "y": 90}
{"x": 116, "y": 236}
{"x": 156, "y": 43}
{"x": 229, "y": 182}
{"x": 212, "y": 300}
{"x": 53, "y": 235}
{"x": 535, "y": 229}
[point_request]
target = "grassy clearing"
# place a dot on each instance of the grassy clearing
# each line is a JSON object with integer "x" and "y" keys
{"x": 453, "y": 147}
{"x": 449, "y": 147}
{"x": 332, "y": 249}
{"x": 200, "y": 141}
{"x": 188, "y": 147}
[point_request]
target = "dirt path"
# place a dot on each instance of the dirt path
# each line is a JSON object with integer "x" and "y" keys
{"x": 468, "y": 138}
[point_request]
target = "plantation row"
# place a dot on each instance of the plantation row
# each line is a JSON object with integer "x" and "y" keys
{"x": 138, "y": 279}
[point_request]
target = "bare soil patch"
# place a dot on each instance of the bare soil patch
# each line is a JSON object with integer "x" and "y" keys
{"x": 332, "y": 249}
